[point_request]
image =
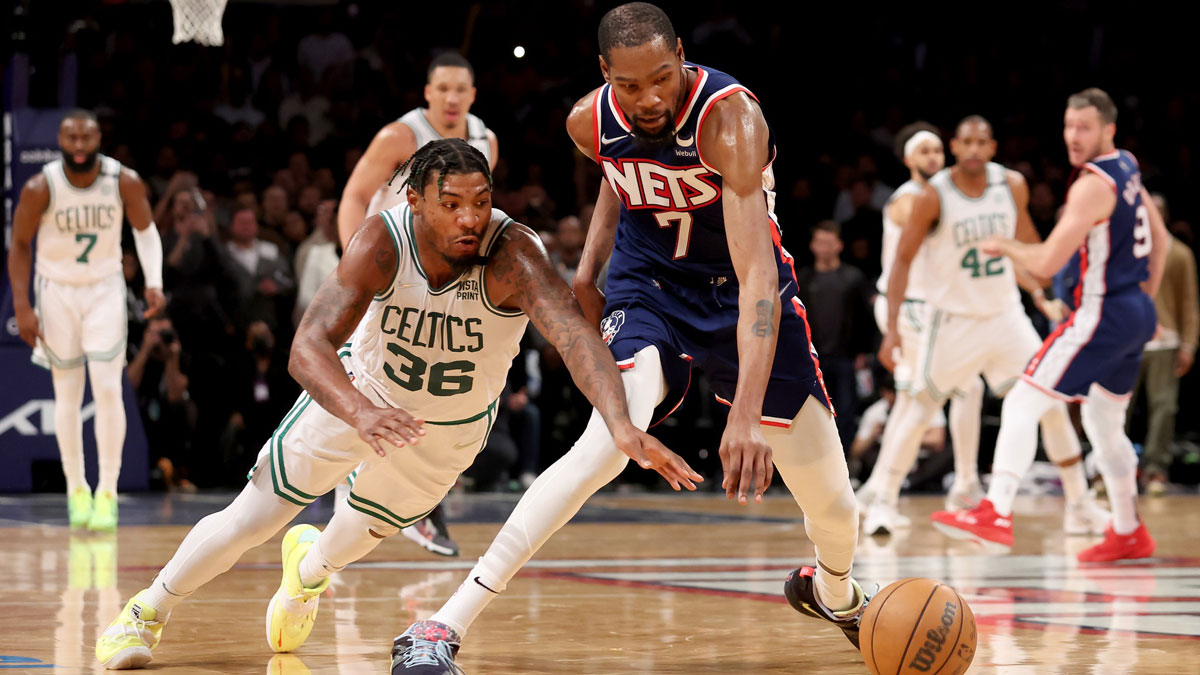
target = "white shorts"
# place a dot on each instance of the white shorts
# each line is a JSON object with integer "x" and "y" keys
{"x": 913, "y": 315}
{"x": 955, "y": 348}
{"x": 312, "y": 451}
{"x": 80, "y": 323}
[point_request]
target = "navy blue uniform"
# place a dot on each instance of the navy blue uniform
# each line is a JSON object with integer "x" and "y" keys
{"x": 1113, "y": 319}
{"x": 671, "y": 282}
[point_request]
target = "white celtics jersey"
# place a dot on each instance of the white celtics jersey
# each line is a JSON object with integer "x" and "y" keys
{"x": 79, "y": 240}
{"x": 891, "y": 241}
{"x": 390, "y": 195}
{"x": 960, "y": 279}
{"x": 442, "y": 354}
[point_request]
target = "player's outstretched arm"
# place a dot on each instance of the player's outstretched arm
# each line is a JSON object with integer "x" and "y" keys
{"x": 1089, "y": 201}
{"x": 390, "y": 148}
{"x": 33, "y": 202}
{"x": 520, "y": 271}
{"x": 735, "y": 141}
{"x": 366, "y": 268}
{"x": 146, "y": 241}
{"x": 925, "y": 211}
{"x": 1026, "y": 232}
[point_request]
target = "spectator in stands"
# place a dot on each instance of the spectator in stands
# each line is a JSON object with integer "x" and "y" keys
{"x": 158, "y": 374}
{"x": 316, "y": 258}
{"x": 261, "y": 275}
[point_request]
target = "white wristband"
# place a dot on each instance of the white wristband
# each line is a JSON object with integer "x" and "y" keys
{"x": 150, "y": 255}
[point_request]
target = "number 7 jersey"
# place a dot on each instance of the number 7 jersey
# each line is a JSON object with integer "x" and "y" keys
{"x": 442, "y": 354}
{"x": 79, "y": 238}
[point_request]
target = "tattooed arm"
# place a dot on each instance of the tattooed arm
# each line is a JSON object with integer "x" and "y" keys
{"x": 520, "y": 271}
{"x": 734, "y": 141}
{"x": 366, "y": 268}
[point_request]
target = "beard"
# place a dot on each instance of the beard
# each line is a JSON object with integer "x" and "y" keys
{"x": 924, "y": 174}
{"x": 657, "y": 141}
{"x": 82, "y": 167}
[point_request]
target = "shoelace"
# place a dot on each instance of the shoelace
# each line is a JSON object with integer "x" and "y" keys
{"x": 427, "y": 653}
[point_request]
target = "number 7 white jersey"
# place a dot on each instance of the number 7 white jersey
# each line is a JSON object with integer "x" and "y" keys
{"x": 79, "y": 239}
{"x": 442, "y": 354}
{"x": 959, "y": 278}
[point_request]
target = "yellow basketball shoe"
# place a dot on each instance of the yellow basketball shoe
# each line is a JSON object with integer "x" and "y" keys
{"x": 128, "y": 640}
{"x": 104, "y": 512}
{"x": 79, "y": 507}
{"x": 293, "y": 608}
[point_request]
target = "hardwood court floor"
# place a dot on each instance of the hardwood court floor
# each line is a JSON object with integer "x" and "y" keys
{"x": 638, "y": 584}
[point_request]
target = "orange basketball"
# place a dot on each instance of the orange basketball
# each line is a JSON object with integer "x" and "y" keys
{"x": 918, "y": 626}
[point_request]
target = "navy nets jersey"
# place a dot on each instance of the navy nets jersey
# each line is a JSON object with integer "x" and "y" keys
{"x": 1112, "y": 319}
{"x": 1115, "y": 256}
{"x": 671, "y": 282}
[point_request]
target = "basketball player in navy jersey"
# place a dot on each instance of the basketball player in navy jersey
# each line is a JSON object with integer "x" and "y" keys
{"x": 1093, "y": 356}
{"x": 697, "y": 278}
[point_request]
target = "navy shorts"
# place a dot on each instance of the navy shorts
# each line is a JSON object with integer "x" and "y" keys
{"x": 697, "y": 327}
{"x": 1100, "y": 343}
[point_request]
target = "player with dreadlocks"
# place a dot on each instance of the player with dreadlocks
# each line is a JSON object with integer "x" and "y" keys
{"x": 402, "y": 355}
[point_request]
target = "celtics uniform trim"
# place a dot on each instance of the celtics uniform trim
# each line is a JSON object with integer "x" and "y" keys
{"x": 278, "y": 471}
{"x": 377, "y": 511}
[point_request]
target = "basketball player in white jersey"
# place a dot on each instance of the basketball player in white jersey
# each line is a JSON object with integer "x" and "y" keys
{"x": 920, "y": 148}
{"x": 76, "y": 206}
{"x": 402, "y": 354}
{"x": 449, "y": 91}
{"x": 975, "y": 323}
{"x": 376, "y": 185}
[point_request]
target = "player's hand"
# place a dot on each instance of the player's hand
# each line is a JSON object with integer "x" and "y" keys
{"x": 888, "y": 349}
{"x": 591, "y": 301}
{"x": 28, "y": 326}
{"x": 1184, "y": 357}
{"x": 649, "y": 453}
{"x": 746, "y": 459}
{"x": 393, "y": 425}
{"x": 155, "y": 302}
{"x": 991, "y": 247}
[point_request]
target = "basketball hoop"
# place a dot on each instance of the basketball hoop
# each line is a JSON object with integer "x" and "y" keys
{"x": 198, "y": 21}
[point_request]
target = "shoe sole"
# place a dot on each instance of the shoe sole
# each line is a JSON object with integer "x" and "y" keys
{"x": 963, "y": 535}
{"x": 129, "y": 658}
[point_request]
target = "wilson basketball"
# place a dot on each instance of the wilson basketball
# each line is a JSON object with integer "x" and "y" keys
{"x": 918, "y": 626}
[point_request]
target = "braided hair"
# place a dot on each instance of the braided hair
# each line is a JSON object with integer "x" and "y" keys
{"x": 441, "y": 157}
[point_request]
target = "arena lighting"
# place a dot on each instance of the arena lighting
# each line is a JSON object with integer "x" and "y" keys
{"x": 519, "y": 51}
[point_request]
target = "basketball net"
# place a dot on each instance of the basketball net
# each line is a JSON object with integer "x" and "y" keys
{"x": 198, "y": 21}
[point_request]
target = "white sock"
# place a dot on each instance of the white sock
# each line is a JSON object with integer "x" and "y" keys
{"x": 1103, "y": 416}
{"x": 68, "y": 427}
{"x": 163, "y": 599}
{"x": 808, "y": 456}
{"x": 964, "y": 425}
{"x": 349, "y": 536}
{"x": 107, "y": 380}
{"x": 556, "y": 496}
{"x": 1016, "y": 444}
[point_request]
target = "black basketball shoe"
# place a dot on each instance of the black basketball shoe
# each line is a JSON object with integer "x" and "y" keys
{"x": 431, "y": 534}
{"x": 801, "y": 592}
{"x": 426, "y": 648}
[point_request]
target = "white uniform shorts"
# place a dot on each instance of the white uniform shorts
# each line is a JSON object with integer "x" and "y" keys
{"x": 954, "y": 348}
{"x": 80, "y": 323}
{"x": 912, "y": 318}
{"x": 312, "y": 451}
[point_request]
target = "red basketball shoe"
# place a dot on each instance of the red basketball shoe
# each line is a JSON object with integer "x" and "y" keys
{"x": 1136, "y": 544}
{"x": 981, "y": 524}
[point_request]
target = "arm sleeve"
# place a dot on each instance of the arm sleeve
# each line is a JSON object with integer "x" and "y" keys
{"x": 150, "y": 254}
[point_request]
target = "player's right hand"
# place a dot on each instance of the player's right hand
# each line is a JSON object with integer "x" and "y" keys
{"x": 888, "y": 348}
{"x": 393, "y": 425}
{"x": 591, "y": 301}
{"x": 649, "y": 453}
{"x": 28, "y": 326}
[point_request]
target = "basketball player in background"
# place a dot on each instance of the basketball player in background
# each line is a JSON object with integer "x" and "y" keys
{"x": 919, "y": 147}
{"x": 976, "y": 324}
{"x": 76, "y": 206}
{"x": 374, "y": 186}
{"x": 1092, "y": 357}
{"x": 697, "y": 278}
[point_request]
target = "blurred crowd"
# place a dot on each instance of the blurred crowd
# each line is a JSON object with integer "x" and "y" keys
{"x": 246, "y": 148}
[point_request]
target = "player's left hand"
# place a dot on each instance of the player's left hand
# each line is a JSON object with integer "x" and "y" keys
{"x": 746, "y": 460}
{"x": 155, "y": 302}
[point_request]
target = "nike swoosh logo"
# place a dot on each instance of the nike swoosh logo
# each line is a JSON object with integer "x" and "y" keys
{"x": 685, "y": 142}
{"x": 484, "y": 585}
{"x": 604, "y": 140}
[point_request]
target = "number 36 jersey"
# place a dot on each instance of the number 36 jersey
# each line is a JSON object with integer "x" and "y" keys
{"x": 79, "y": 239}
{"x": 442, "y": 354}
{"x": 959, "y": 277}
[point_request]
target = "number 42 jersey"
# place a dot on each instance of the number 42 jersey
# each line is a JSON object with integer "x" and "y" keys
{"x": 442, "y": 354}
